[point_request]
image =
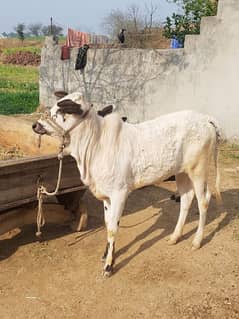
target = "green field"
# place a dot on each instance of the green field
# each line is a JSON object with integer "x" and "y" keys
{"x": 19, "y": 89}
{"x": 34, "y": 50}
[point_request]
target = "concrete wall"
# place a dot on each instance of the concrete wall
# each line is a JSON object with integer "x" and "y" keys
{"x": 147, "y": 83}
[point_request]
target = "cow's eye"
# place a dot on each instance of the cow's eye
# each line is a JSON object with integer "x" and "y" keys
{"x": 62, "y": 114}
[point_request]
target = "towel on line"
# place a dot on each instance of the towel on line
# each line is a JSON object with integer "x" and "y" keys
{"x": 76, "y": 38}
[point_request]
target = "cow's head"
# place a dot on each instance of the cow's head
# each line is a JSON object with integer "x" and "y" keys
{"x": 67, "y": 113}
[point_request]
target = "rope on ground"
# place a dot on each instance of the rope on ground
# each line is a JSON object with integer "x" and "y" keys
{"x": 41, "y": 191}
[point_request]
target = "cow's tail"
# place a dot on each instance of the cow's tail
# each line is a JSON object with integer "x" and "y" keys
{"x": 219, "y": 139}
{"x": 218, "y": 176}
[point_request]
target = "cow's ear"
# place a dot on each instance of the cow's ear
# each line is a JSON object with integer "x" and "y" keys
{"x": 68, "y": 106}
{"x": 60, "y": 94}
{"x": 106, "y": 110}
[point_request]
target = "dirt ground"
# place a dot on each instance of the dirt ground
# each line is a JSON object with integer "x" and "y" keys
{"x": 61, "y": 276}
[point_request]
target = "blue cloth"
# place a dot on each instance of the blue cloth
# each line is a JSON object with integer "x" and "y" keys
{"x": 176, "y": 44}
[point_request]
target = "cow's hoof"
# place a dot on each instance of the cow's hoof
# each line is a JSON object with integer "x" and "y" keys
{"x": 196, "y": 246}
{"x": 172, "y": 241}
{"x": 108, "y": 271}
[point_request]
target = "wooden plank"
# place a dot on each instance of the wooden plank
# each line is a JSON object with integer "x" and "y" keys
{"x": 25, "y": 201}
{"x": 19, "y": 179}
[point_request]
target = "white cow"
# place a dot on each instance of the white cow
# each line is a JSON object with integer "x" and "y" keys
{"x": 115, "y": 157}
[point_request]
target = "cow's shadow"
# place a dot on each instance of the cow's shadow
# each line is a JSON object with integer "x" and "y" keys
{"x": 165, "y": 219}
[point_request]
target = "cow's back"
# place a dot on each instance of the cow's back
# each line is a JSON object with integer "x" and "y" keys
{"x": 165, "y": 145}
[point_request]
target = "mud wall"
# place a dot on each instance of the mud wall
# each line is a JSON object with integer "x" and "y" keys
{"x": 145, "y": 83}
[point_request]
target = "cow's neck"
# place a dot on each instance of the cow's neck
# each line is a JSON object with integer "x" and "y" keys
{"x": 84, "y": 142}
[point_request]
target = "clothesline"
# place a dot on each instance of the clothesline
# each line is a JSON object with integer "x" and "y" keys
{"x": 78, "y": 39}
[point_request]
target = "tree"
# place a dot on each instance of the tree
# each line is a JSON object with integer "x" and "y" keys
{"x": 134, "y": 19}
{"x": 35, "y": 29}
{"x": 188, "y": 22}
{"x": 131, "y": 20}
{"x": 20, "y": 28}
{"x": 113, "y": 22}
{"x": 151, "y": 10}
{"x": 12, "y": 35}
{"x": 52, "y": 30}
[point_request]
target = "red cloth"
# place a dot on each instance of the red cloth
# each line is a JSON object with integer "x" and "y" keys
{"x": 65, "y": 52}
{"x": 76, "y": 38}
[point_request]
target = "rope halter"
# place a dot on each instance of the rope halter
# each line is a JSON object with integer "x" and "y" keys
{"x": 65, "y": 140}
{"x": 41, "y": 190}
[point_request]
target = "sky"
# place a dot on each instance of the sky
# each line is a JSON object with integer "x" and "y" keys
{"x": 84, "y": 15}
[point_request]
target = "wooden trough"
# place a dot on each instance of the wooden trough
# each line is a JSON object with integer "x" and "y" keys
{"x": 19, "y": 180}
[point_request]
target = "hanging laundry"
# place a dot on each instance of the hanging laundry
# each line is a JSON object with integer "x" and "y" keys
{"x": 65, "y": 52}
{"x": 81, "y": 59}
{"x": 76, "y": 38}
{"x": 98, "y": 39}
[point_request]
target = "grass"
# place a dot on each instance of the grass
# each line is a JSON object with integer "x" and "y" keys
{"x": 18, "y": 102}
{"x": 19, "y": 90}
{"x": 10, "y": 85}
{"x": 229, "y": 152}
{"x": 31, "y": 42}
{"x": 8, "y": 51}
{"x": 18, "y": 73}
{"x": 16, "y": 43}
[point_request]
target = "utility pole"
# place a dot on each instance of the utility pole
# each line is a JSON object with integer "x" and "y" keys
{"x": 51, "y": 27}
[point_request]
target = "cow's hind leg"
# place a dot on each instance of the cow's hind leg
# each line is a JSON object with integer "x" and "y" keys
{"x": 117, "y": 203}
{"x": 199, "y": 178}
{"x": 185, "y": 189}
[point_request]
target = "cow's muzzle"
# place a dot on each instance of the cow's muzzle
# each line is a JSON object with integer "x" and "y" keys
{"x": 39, "y": 128}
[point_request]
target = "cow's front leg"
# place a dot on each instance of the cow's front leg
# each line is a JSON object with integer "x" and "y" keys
{"x": 106, "y": 216}
{"x": 117, "y": 202}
